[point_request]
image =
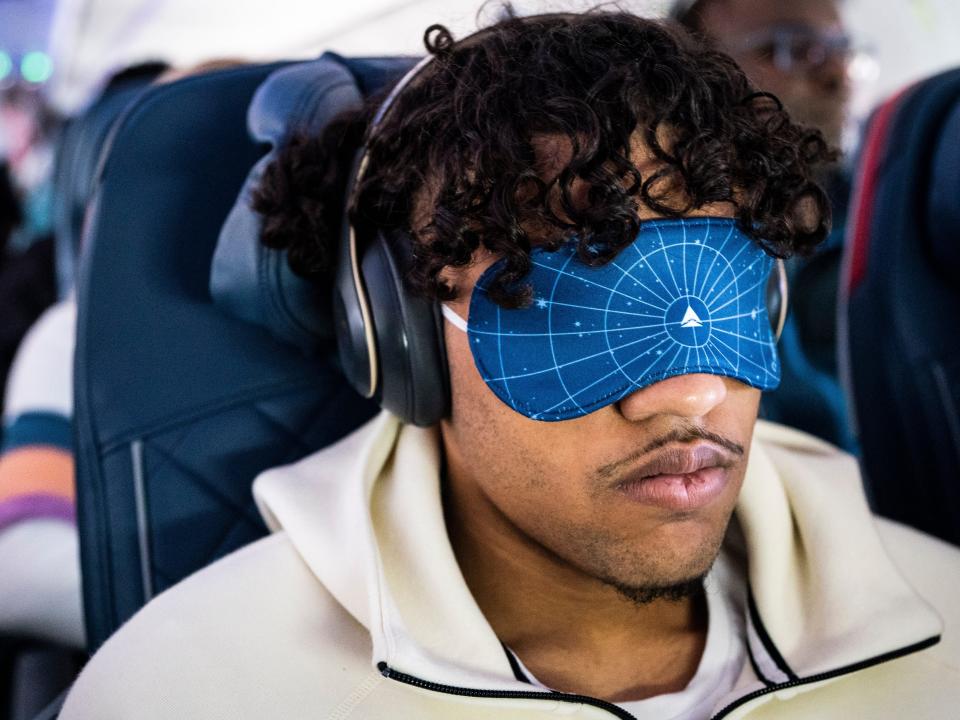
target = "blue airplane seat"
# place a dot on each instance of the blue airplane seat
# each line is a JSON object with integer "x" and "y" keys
{"x": 179, "y": 403}
{"x": 77, "y": 155}
{"x": 900, "y": 350}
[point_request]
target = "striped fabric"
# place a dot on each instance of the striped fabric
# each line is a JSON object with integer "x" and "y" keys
{"x": 36, "y": 470}
{"x": 38, "y": 428}
{"x": 36, "y": 455}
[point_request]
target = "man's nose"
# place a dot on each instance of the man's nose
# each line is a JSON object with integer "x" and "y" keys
{"x": 692, "y": 396}
{"x": 832, "y": 74}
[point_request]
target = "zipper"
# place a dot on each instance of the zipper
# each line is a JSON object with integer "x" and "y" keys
{"x": 392, "y": 674}
{"x": 619, "y": 712}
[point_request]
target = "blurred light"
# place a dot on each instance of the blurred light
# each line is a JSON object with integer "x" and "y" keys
{"x": 863, "y": 67}
{"x": 36, "y": 67}
{"x": 6, "y": 64}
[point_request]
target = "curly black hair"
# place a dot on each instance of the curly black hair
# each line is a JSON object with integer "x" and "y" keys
{"x": 458, "y": 160}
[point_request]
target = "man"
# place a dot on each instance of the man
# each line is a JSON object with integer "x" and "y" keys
{"x": 800, "y": 52}
{"x": 549, "y": 547}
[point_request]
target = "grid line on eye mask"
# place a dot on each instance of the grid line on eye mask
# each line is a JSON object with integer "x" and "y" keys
{"x": 706, "y": 275}
{"x": 553, "y": 350}
{"x": 561, "y": 272}
{"x": 641, "y": 283}
{"x": 574, "y": 350}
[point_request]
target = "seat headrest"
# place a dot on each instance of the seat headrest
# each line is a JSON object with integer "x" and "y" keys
{"x": 943, "y": 206}
{"x": 247, "y": 279}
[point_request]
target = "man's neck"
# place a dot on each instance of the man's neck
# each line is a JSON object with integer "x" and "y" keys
{"x": 574, "y": 632}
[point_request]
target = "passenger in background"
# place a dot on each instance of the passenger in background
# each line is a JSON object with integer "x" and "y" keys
{"x": 799, "y": 51}
{"x": 39, "y": 562}
{"x": 27, "y": 281}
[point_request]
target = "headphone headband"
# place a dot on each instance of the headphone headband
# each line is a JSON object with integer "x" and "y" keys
{"x": 367, "y": 386}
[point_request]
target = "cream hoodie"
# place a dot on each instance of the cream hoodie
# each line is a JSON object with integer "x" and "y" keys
{"x": 355, "y": 607}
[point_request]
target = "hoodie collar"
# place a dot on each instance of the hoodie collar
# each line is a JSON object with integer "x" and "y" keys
{"x": 367, "y": 518}
{"x": 825, "y": 594}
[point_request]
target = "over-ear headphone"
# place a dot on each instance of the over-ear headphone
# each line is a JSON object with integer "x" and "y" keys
{"x": 390, "y": 341}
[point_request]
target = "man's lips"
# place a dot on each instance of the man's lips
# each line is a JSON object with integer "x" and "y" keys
{"x": 680, "y": 478}
{"x": 681, "y": 460}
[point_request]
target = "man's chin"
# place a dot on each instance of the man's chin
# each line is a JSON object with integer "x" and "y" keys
{"x": 666, "y": 578}
{"x": 672, "y": 592}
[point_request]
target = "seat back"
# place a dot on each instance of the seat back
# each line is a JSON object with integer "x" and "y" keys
{"x": 77, "y": 156}
{"x": 179, "y": 405}
{"x": 899, "y": 307}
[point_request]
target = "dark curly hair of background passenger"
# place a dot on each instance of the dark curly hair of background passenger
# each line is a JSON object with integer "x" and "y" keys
{"x": 454, "y": 161}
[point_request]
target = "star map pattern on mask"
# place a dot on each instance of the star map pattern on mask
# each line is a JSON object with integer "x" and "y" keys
{"x": 688, "y": 296}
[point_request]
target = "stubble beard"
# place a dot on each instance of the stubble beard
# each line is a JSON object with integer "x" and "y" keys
{"x": 644, "y": 580}
{"x": 646, "y": 594}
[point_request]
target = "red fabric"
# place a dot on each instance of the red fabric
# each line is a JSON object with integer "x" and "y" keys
{"x": 874, "y": 146}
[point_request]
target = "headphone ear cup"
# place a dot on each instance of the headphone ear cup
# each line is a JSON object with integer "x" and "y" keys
{"x": 353, "y": 335}
{"x": 411, "y": 355}
{"x": 777, "y": 297}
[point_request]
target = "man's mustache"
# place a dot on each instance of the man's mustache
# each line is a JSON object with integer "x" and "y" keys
{"x": 683, "y": 435}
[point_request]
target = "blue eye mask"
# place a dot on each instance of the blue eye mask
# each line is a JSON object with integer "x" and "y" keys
{"x": 688, "y": 296}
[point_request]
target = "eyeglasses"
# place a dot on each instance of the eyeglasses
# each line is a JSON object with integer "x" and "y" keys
{"x": 798, "y": 48}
